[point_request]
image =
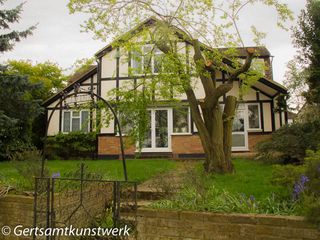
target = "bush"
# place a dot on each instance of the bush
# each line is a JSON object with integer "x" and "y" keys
{"x": 286, "y": 175}
{"x": 303, "y": 183}
{"x": 289, "y": 143}
{"x": 73, "y": 145}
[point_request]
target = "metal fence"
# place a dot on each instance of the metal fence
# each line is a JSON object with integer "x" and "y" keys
{"x": 82, "y": 202}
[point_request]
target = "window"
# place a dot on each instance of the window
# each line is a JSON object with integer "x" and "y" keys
{"x": 148, "y": 60}
{"x": 254, "y": 116}
{"x": 181, "y": 120}
{"x": 75, "y": 121}
{"x": 125, "y": 124}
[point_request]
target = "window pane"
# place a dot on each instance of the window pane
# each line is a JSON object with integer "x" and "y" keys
{"x": 136, "y": 62}
{"x": 147, "y": 61}
{"x": 75, "y": 124}
{"x": 75, "y": 114}
{"x": 181, "y": 120}
{"x": 85, "y": 121}
{"x": 254, "y": 117}
{"x": 125, "y": 124}
{"x": 147, "y": 143}
{"x": 157, "y": 63}
{"x": 238, "y": 122}
{"x": 161, "y": 121}
{"x": 238, "y": 140}
{"x": 66, "y": 122}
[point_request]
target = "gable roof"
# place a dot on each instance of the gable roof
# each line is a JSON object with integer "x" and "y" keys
{"x": 76, "y": 78}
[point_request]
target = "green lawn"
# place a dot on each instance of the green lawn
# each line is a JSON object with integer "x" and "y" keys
{"x": 251, "y": 178}
{"x": 138, "y": 170}
{"x": 248, "y": 190}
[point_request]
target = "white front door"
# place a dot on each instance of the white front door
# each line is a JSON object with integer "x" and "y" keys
{"x": 158, "y": 138}
{"x": 239, "y": 130}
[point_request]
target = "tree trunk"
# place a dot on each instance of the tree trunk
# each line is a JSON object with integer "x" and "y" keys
{"x": 218, "y": 155}
{"x": 228, "y": 116}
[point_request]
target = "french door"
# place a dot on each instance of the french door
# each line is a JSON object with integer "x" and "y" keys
{"x": 157, "y": 138}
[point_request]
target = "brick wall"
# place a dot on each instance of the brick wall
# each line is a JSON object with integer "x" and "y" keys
{"x": 181, "y": 144}
{"x": 16, "y": 210}
{"x": 161, "y": 224}
{"x": 19, "y": 210}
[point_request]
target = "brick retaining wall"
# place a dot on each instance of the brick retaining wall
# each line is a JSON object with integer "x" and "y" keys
{"x": 161, "y": 224}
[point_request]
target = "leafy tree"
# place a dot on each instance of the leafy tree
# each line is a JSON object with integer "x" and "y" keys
{"x": 48, "y": 74}
{"x": 307, "y": 40}
{"x": 18, "y": 109}
{"x": 295, "y": 81}
{"x": 79, "y": 67}
{"x": 7, "y": 17}
{"x": 213, "y": 22}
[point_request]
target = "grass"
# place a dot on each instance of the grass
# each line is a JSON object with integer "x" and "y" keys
{"x": 138, "y": 170}
{"x": 251, "y": 178}
{"x": 248, "y": 190}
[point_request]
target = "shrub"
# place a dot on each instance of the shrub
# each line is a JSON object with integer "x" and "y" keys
{"x": 286, "y": 175}
{"x": 289, "y": 143}
{"x": 304, "y": 184}
{"x": 73, "y": 145}
{"x": 29, "y": 165}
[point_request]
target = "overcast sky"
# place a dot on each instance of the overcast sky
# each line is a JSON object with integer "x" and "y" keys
{"x": 58, "y": 36}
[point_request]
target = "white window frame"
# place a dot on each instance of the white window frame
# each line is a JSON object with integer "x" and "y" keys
{"x": 143, "y": 53}
{"x": 259, "y": 115}
{"x": 71, "y": 117}
{"x": 189, "y": 123}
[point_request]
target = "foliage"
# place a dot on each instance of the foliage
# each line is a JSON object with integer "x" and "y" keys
{"x": 313, "y": 171}
{"x": 7, "y": 17}
{"x": 289, "y": 143}
{"x": 71, "y": 145}
{"x": 209, "y": 193}
{"x": 303, "y": 183}
{"x": 80, "y": 66}
{"x": 295, "y": 81}
{"x": 29, "y": 165}
{"x": 48, "y": 74}
{"x": 307, "y": 39}
{"x": 18, "y": 109}
{"x": 286, "y": 175}
{"x": 215, "y": 24}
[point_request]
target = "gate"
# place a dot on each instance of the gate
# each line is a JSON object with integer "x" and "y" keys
{"x": 83, "y": 202}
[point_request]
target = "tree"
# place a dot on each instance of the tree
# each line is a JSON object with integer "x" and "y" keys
{"x": 18, "y": 109}
{"x": 50, "y": 79}
{"x": 79, "y": 67}
{"x": 307, "y": 40}
{"x": 48, "y": 74}
{"x": 295, "y": 81}
{"x": 216, "y": 24}
{"x": 8, "y": 17}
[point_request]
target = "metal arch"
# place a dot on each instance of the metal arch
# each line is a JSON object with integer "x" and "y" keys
{"x": 91, "y": 93}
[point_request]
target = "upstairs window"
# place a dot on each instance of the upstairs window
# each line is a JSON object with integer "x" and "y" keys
{"x": 148, "y": 60}
{"x": 75, "y": 121}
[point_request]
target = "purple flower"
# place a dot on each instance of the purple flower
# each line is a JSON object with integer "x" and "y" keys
{"x": 299, "y": 187}
{"x": 252, "y": 198}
